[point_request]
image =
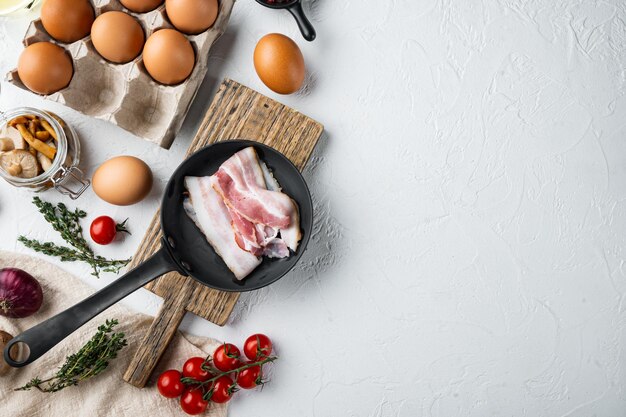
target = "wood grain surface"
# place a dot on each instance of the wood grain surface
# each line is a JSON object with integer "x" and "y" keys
{"x": 237, "y": 112}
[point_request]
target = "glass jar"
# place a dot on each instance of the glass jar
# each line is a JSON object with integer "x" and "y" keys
{"x": 14, "y": 6}
{"x": 64, "y": 174}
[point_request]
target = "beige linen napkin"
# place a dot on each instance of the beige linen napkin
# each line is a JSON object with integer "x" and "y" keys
{"x": 107, "y": 394}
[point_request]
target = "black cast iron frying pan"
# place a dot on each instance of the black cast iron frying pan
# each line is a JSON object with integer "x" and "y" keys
{"x": 295, "y": 8}
{"x": 184, "y": 249}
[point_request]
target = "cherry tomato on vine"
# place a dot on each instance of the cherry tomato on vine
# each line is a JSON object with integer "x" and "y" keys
{"x": 222, "y": 390}
{"x": 257, "y": 346}
{"x": 250, "y": 377}
{"x": 226, "y": 357}
{"x": 193, "y": 369}
{"x": 103, "y": 229}
{"x": 192, "y": 402}
{"x": 169, "y": 384}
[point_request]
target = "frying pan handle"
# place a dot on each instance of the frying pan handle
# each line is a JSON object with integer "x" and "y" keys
{"x": 307, "y": 29}
{"x": 44, "y": 336}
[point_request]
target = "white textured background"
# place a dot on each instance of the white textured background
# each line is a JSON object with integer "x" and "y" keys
{"x": 470, "y": 191}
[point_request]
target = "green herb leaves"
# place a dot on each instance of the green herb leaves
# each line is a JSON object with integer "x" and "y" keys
{"x": 89, "y": 361}
{"x": 67, "y": 223}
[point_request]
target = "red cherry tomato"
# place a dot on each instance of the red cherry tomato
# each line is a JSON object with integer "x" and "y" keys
{"x": 226, "y": 357}
{"x": 193, "y": 369}
{"x": 169, "y": 384}
{"x": 257, "y": 346}
{"x": 192, "y": 402}
{"x": 222, "y": 390}
{"x": 103, "y": 229}
{"x": 249, "y": 377}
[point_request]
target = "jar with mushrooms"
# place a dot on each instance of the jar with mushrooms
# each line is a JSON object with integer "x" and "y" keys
{"x": 39, "y": 150}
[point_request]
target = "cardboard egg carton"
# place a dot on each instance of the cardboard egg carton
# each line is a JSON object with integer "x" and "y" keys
{"x": 125, "y": 94}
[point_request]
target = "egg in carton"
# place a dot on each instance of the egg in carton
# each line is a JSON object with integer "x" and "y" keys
{"x": 125, "y": 94}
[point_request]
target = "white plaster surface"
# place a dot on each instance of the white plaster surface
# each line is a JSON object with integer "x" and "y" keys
{"x": 470, "y": 237}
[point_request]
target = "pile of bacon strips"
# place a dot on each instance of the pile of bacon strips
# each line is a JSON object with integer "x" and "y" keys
{"x": 243, "y": 213}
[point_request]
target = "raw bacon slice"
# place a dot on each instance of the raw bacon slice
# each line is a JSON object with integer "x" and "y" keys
{"x": 270, "y": 182}
{"x": 275, "y": 248}
{"x": 243, "y": 213}
{"x": 246, "y": 234}
{"x": 292, "y": 234}
{"x": 240, "y": 182}
{"x": 266, "y": 231}
{"x": 258, "y": 239}
{"x": 246, "y": 166}
{"x": 207, "y": 209}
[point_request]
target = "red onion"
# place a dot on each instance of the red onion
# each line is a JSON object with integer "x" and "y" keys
{"x": 20, "y": 293}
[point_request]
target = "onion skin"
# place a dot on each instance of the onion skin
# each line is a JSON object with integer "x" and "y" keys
{"x": 20, "y": 293}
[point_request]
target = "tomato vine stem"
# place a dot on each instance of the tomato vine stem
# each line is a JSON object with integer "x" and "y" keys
{"x": 218, "y": 374}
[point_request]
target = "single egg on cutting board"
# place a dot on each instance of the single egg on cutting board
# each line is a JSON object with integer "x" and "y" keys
{"x": 123, "y": 180}
{"x": 67, "y": 20}
{"x": 141, "y": 6}
{"x": 279, "y": 63}
{"x": 45, "y": 68}
{"x": 117, "y": 36}
{"x": 192, "y": 16}
{"x": 168, "y": 56}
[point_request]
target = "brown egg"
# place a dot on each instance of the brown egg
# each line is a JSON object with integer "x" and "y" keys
{"x": 141, "y": 6}
{"x": 168, "y": 56}
{"x": 279, "y": 63}
{"x": 45, "y": 68}
{"x": 67, "y": 20}
{"x": 123, "y": 180}
{"x": 192, "y": 16}
{"x": 117, "y": 36}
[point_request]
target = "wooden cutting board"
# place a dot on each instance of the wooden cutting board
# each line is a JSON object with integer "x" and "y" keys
{"x": 237, "y": 112}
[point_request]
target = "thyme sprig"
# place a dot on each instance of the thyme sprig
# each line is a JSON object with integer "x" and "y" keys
{"x": 67, "y": 224}
{"x": 91, "y": 360}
